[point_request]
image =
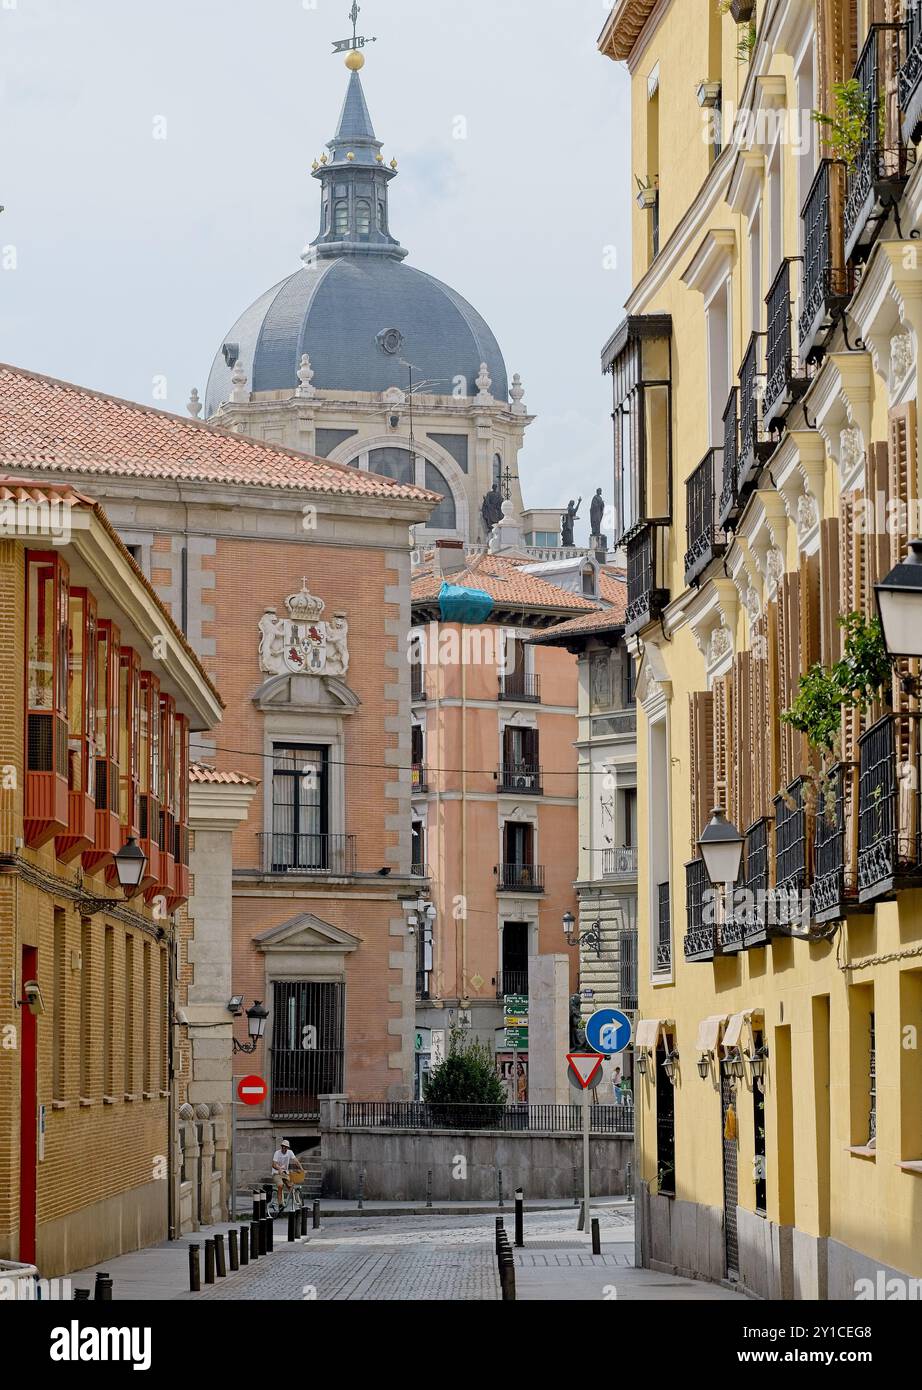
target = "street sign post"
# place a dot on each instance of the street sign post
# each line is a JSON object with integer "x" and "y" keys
{"x": 251, "y": 1090}
{"x": 608, "y": 1031}
{"x": 587, "y": 1068}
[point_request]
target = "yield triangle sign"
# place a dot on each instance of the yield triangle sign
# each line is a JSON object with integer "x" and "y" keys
{"x": 585, "y": 1065}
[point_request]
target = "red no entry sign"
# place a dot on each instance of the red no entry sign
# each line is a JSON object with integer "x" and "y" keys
{"x": 252, "y": 1090}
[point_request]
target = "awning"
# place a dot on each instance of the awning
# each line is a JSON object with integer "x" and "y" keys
{"x": 738, "y": 1022}
{"x": 647, "y": 1032}
{"x": 709, "y": 1033}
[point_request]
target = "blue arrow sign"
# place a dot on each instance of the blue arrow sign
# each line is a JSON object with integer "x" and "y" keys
{"x": 608, "y": 1031}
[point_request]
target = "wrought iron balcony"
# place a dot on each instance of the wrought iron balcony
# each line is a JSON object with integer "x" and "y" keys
{"x": 785, "y": 382}
{"x": 646, "y": 594}
{"x": 705, "y": 540}
{"x": 520, "y": 777}
{"x": 731, "y": 933}
{"x": 753, "y": 449}
{"x": 888, "y": 807}
{"x": 620, "y": 862}
{"x": 834, "y": 890}
{"x": 877, "y": 176}
{"x": 757, "y": 926}
{"x": 727, "y": 509}
{"x": 418, "y": 869}
{"x": 523, "y": 689}
{"x": 828, "y": 278}
{"x": 511, "y": 982}
{"x": 793, "y": 857}
{"x": 663, "y": 964}
{"x": 627, "y": 968}
{"x": 308, "y": 854}
{"x": 420, "y": 777}
{"x": 701, "y": 936}
{"x": 520, "y": 878}
{"x": 910, "y": 83}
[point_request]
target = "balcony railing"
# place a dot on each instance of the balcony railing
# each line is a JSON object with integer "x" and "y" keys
{"x": 704, "y": 538}
{"x": 307, "y": 854}
{"x": 556, "y": 1119}
{"x": 520, "y": 687}
{"x": 911, "y": 73}
{"x": 753, "y": 450}
{"x": 420, "y": 777}
{"x": 726, "y": 510}
{"x": 784, "y": 379}
{"x": 622, "y": 723}
{"x": 888, "y": 807}
{"x": 418, "y": 869}
{"x": 520, "y": 777}
{"x": 418, "y": 694}
{"x": 299, "y": 1078}
{"x": 756, "y": 923}
{"x": 627, "y": 968}
{"x": 877, "y": 176}
{"x": 520, "y": 878}
{"x": 646, "y": 596}
{"x": 834, "y": 890}
{"x": 828, "y": 279}
{"x": 793, "y": 845}
{"x": 701, "y": 936}
{"x": 620, "y": 862}
{"x": 663, "y": 965}
{"x": 511, "y": 982}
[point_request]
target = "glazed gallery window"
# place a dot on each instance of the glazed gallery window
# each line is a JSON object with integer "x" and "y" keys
{"x": 300, "y": 807}
{"x": 363, "y": 217}
{"x": 341, "y": 218}
{"x": 640, "y": 361}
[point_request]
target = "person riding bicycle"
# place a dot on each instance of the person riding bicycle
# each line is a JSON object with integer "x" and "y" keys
{"x": 283, "y": 1160}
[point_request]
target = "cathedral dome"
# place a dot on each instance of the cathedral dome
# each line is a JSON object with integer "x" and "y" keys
{"x": 356, "y": 309}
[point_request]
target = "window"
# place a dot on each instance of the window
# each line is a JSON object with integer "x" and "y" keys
{"x": 86, "y": 1005}
{"x": 418, "y": 847}
{"x": 639, "y": 359}
{"x": 59, "y": 1018}
{"x": 150, "y": 769}
{"x": 520, "y": 770}
{"x": 129, "y": 1014}
{"x": 718, "y": 347}
{"x": 443, "y": 518}
{"x": 129, "y": 740}
{"x": 145, "y": 1019}
{"x": 758, "y": 1118}
{"x": 300, "y": 809}
{"x": 363, "y": 217}
{"x": 393, "y": 463}
{"x": 81, "y": 693}
{"x": 164, "y": 1013}
{"x": 341, "y": 218}
{"x": 382, "y": 218}
{"x": 106, "y": 730}
{"x": 307, "y": 1046}
{"x": 863, "y": 1067}
{"x": 755, "y": 271}
{"x": 628, "y": 693}
{"x": 518, "y": 843}
{"x": 665, "y": 1122}
{"x": 629, "y": 806}
{"x": 514, "y": 966}
{"x": 47, "y": 589}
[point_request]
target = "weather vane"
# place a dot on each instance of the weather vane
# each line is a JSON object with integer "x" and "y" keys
{"x": 357, "y": 41}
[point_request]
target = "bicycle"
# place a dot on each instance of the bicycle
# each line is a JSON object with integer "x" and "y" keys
{"x": 292, "y": 1200}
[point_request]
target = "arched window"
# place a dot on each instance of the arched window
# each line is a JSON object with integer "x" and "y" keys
{"x": 392, "y": 463}
{"x": 341, "y": 218}
{"x": 382, "y": 218}
{"x": 363, "y": 217}
{"x": 444, "y": 517}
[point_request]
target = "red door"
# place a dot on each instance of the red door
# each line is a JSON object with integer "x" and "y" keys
{"x": 28, "y": 1116}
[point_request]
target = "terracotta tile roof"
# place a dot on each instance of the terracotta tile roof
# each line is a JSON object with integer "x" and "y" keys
{"x": 602, "y": 620}
{"x": 27, "y": 489}
{"x": 502, "y": 578}
{"x": 202, "y": 775}
{"x": 51, "y": 424}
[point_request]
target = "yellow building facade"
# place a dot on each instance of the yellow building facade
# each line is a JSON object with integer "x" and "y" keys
{"x": 766, "y": 468}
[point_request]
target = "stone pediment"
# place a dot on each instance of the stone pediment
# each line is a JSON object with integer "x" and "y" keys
{"x": 306, "y": 933}
{"x": 307, "y": 695}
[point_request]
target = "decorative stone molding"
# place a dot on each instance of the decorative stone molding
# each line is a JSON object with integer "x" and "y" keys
{"x": 306, "y": 389}
{"x": 302, "y": 643}
{"x": 902, "y": 359}
{"x": 483, "y": 384}
{"x": 517, "y": 395}
{"x": 712, "y": 619}
{"x": 712, "y": 262}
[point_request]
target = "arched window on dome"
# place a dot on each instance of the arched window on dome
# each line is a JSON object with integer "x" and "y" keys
{"x": 341, "y": 218}
{"x": 392, "y": 463}
{"x": 382, "y": 218}
{"x": 363, "y": 217}
{"x": 444, "y": 517}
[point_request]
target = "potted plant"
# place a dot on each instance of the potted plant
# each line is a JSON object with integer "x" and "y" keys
{"x": 845, "y": 128}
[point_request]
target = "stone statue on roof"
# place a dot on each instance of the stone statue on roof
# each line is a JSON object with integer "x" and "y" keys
{"x": 492, "y": 508}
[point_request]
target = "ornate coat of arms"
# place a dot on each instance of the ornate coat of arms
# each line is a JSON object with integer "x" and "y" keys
{"x": 302, "y": 644}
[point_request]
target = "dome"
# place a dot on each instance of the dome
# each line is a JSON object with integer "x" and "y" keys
{"x": 343, "y": 313}
{"x": 356, "y": 308}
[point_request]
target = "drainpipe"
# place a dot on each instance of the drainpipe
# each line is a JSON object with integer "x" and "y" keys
{"x": 463, "y": 993}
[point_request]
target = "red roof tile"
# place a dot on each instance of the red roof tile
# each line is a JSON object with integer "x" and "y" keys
{"x": 51, "y": 424}
{"x": 502, "y": 578}
{"x": 202, "y": 775}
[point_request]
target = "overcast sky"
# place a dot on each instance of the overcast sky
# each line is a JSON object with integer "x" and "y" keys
{"x": 132, "y": 255}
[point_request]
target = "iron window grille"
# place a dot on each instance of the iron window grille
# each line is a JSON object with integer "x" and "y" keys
{"x": 793, "y": 832}
{"x": 307, "y": 1046}
{"x": 828, "y": 280}
{"x": 872, "y": 1079}
{"x": 704, "y": 539}
{"x": 753, "y": 450}
{"x": 888, "y": 806}
{"x": 728, "y": 492}
{"x": 663, "y": 929}
{"x": 756, "y": 926}
{"x": 700, "y": 936}
{"x": 910, "y": 79}
{"x": 877, "y": 176}
{"x": 627, "y": 968}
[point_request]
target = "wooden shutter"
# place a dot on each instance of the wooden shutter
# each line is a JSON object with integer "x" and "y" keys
{"x": 701, "y": 746}
{"x": 830, "y": 631}
{"x": 849, "y": 584}
{"x": 810, "y": 638}
{"x": 903, "y": 487}
{"x": 742, "y": 750}
{"x": 723, "y": 739}
{"x": 788, "y": 673}
{"x": 771, "y": 703}
{"x": 879, "y": 495}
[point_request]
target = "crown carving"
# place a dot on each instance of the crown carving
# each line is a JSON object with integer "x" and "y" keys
{"x": 304, "y": 607}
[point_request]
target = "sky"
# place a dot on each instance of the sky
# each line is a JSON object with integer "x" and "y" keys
{"x": 155, "y": 171}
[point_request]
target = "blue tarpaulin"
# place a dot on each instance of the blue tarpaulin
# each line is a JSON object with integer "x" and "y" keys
{"x": 459, "y": 605}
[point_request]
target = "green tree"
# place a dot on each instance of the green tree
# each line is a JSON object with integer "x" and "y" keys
{"x": 466, "y": 1077}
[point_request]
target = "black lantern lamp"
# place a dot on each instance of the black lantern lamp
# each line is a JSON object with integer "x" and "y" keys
{"x": 756, "y": 1062}
{"x": 130, "y": 863}
{"x": 640, "y": 1061}
{"x": 899, "y": 605}
{"x": 257, "y": 1014}
{"x": 671, "y": 1065}
{"x": 704, "y": 1065}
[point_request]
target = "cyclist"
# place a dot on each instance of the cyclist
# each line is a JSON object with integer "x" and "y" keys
{"x": 283, "y": 1160}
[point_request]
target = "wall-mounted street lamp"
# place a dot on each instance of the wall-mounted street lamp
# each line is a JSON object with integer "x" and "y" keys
{"x": 899, "y": 605}
{"x": 130, "y": 863}
{"x": 756, "y": 1062}
{"x": 721, "y": 847}
{"x": 591, "y": 938}
{"x": 733, "y": 1064}
{"x": 257, "y": 1014}
{"x": 671, "y": 1066}
{"x": 704, "y": 1065}
{"x": 640, "y": 1061}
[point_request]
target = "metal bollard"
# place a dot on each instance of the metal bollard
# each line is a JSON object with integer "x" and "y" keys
{"x": 576, "y": 1196}
{"x": 220, "y": 1265}
{"x": 303, "y": 1223}
{"x": 81, "y": 1295}
{"x": 429, "y": 1188}
{"x": 316, "y": 1213}
{"x": 596, "y": 1237}
{"x": 507, "y": 1274}
{"x": 209, "y": 1261}
{"x": 103, "y": 1291}
{"x": 255, "y": 1229}
{"x": 629, "y": 1181}
{"x": 519, "y": 1216}
{"x": 232, "y": 1254}
{"x": 268, "y": 1235}
{"x": 500, "y": 1232}
{"x": 195, "y": 1272}
{"x": 291, "y": 1227}
{"x": 244, "y": 1245}
{"x": 499, "y": 1181}
{"x": 362, "y": 1190}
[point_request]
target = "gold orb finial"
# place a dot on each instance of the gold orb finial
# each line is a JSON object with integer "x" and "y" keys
{"x": 393, "y": 164}
{"x": 350, "y": 156}
{"x": 355, "y": 61}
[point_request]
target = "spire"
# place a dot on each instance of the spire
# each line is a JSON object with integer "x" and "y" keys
{"x": 354, "y": 216}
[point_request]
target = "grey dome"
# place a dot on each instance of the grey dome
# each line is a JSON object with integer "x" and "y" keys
{"x": 339, "y": 312}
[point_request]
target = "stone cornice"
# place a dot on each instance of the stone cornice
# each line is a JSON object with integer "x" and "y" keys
{"x": 220, "y": 807}
{"x": 712, "y": 262}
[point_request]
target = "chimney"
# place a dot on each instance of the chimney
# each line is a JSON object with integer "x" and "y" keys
{"x": 450, "y": 557}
